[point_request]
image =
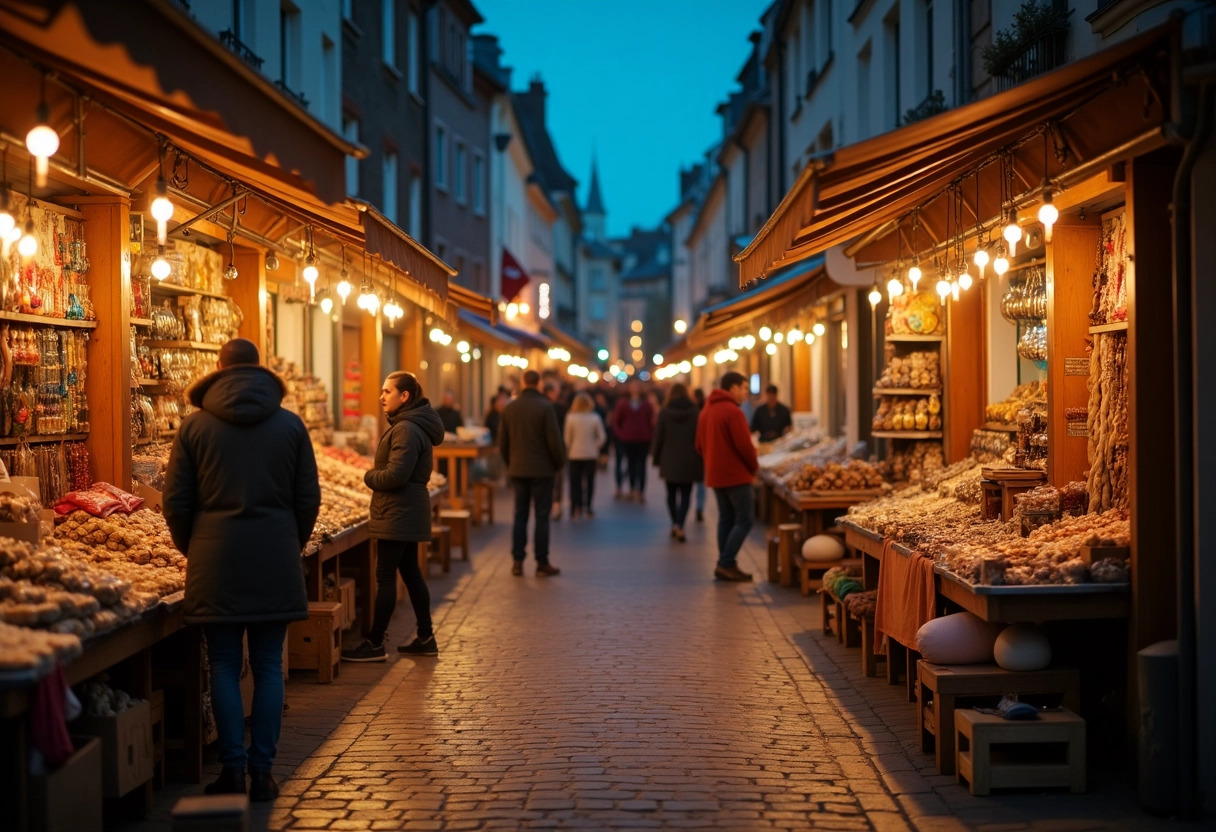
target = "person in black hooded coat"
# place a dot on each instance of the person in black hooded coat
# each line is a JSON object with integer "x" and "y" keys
{"x": 675, "y": 453}
{"x": 241, "y": 497}
{"x": 401, "y": 514}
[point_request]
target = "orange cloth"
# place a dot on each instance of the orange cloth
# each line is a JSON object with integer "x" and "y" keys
{"x": 906, "y": 596}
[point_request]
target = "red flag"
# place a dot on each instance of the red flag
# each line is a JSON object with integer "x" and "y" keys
{"x": 514, "y": 278}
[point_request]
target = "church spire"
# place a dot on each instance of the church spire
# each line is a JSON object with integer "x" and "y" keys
{"x": 595, "y": 202}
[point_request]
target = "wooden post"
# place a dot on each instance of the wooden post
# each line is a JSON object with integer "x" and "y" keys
{"x": 964, "y": 398}
{"x": 371, "y": 341}
{"x": 108, "y": 382}
{"x": 249, "y": 292}
{"x": 1071, "y": 260}
{"x": 801, "y": 394}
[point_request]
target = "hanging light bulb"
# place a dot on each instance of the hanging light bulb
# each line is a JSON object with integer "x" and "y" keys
{"x": 365, "y": 294}
{"x": 1012, "y": 234}
{"x": 778, "y": 337}
{"x": 793, "y": 336}
{"x": 162, "y": 210}
{"x": 1000, "y": 265}
{"x": 771, "y": 349}
{"x": 875, "y": 296}
{"x": 895, "y": 288}
{"x": 810, "y": 338}
{"x": 981, "y": 260}
{"x": 27, "y": 246}
{"x": 955, "y": 289}
{"x": 230, "y": 273}
{"x": 1048, "y": 213}
{"x": 311, "y": 272}
{"x": 42, "y": 141}
{"x": 819, "y": 329}
{"x": 373, "y": 305}
{"x": 160, "y": 266}
{"x": 914, "y": 276}
{"x": 964, "y": 280}
{"x": 943, "y": 289}
{"x": 272, "y": 261}
{"x": 327, "y": 304}
{"x": 765, "y": 333}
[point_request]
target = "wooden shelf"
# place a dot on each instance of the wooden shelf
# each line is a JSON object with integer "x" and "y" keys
{"x": 142, "y": 322}
{"x": 915, "y": 338}
{"x": 151, "y": 382}
{"x": 174, "y": 289}
{"x": 183, "y": 345}
{"x": 46, "y": 320}
{"x": 906, "y": 434}
{"x": 55, "y": 437}
{"x": 1117, "y": 326}
{"x": 1000, "y": 426}
{"x": 907, "y": 391}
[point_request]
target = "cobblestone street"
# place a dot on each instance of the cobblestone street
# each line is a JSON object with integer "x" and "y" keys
{"x": 632, "y": 691}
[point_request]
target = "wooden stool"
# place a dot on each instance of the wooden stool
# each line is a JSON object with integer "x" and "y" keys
{"x": 459, "y": 520}
{"x": 316, "y": 644}
{"x": 790, "y": 534}
{"x": 1026, "y": 766}
{"x": 940, "y": 687}
{"x": 483, "y": 502}
{"x": 441, "y": 545}
{"x": 804, "y": 568}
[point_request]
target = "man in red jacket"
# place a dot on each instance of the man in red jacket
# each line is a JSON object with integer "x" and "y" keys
{"x": 726, "y": 446}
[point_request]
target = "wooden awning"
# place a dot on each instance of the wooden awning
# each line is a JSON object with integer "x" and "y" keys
{"x": 466, "y": 300}
{"x": 577, "y": 348}
{"x": 1105, "y": 108}
{"x": 383, "y": 239}
{"x": 770, "y": 302}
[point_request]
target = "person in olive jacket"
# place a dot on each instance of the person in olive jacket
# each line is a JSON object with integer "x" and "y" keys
{"x": 401, "y": 514}
{"x": 675, "y": 453}
{"x": 530, "y": 443}
{"x": 241, "y": 497}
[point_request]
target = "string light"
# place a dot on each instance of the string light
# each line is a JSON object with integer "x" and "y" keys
{"x": 680, "y": 326}
{"x": 343, "y": 287}
{"x": 943, "y": 289}
{"x": 1048, "y": 214}
{"x": 160, "y": 266}
{"x": 1001, "y": 264}
{"x": 793, "y": 336}
{"x": 27, "y": 246}
{"x": 875, "y": 296}
{"x": 771, "y": 349}
{"x": 895, "y": 288}
{"x": 964, "y": 280}
{"x": 766, "y": 334}
{"x": 699, "y": 361}
{"x": 42, "y": 141}
{"x": 819, "y": 329}
{"x": 810, "y": 338}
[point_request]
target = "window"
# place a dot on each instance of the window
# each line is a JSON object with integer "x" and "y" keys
{"x": 348, "y": 10}
{"x": 863, "y": 92}
{"x": 389, "y": 203}
{"x": 893, "y": 107}
{"x": 599, "y": 280}
{"x": 414, "y": 50}
{"x": 599, "y": 309}
{"x": 458, "y": 174}
{"x": 289, "y": 46}
{"x": 238, "y": 19}
{"x": 929, "y": 48}
{"x": 350, "y": 132}
{"x": 415, "y": 206}
{"x": 479, "y": 182}
{"x": 441, "y": 157}
{"x": 388, "y": 32}
{"x": 328, "y": 91}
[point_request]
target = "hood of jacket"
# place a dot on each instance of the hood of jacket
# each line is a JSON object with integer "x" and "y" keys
{"x": 422, "y": 416}
{"x": 246, "y": 394}
{"x": 681, "y": 411}
{"x": 720, "y": 397}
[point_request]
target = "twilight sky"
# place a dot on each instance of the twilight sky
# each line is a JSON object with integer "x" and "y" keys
{"x": 635, "y": 82}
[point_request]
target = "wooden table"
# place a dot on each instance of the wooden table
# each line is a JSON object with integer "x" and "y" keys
{"x": 869, "y": 545}
{"x": 1035, "y": 602}
{"x": 460, "y": 470}
{"x": 810, "y": 508}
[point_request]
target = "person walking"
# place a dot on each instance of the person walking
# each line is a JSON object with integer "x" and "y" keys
{"x": 401, "y": 514}
{"x": 698, "y": 396}
{"x": 730, "y": 466}
{"x": 771, "y": 419}
{"x": 604, "y": 412}
{"x": 675, "y": 453}
{"x": 531, "y": 446}
{"x": 241, "y": 498}
{"x": 553, "y": 392}
{"x": 449, "y": 412}
{"x": 633, "y": 424}
{"x": 584, "y": 434}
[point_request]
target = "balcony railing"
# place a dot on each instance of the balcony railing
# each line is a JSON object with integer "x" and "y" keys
{"x": 297, "y": 97}
{"x": 1042, "y": 55}
{"x": 240, "y": 49}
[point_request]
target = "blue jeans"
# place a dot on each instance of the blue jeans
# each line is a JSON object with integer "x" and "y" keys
{"x": 266, "y": 663}
{"x": 699, "y": 489}
{"x": 734, "y": 521}
{"x": 532, "y": 493}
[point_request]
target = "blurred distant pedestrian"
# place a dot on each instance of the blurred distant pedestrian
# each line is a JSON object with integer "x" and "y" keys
{"x": 771, "y": 419}
{"x": 730, "y": 466}
{"x": 675, "y": 452}
{"x": 449, "y": 412}
{"x": 531, "y": 446}
{"x": 584, "y": 434}
{"x": 698, "y": 396}
{"x": 633, "y": 424}
{"x": 553, "y": 392}
{"x": 602, "y": 409}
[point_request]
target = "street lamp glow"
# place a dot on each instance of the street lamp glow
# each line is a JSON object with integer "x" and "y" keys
{"x": 657, "y": 358}
{"x": 680, "y": 326}
{"x": 636, "y": 326}
{"x": 602, "y": 355}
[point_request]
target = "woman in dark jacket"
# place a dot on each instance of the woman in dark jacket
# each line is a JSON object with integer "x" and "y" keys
{"x": 241, "y": 497}
{"x": 676, "y": 454}
{"x": 401, "y": 513}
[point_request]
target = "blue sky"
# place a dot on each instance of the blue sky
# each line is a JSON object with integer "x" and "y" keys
{"x": 634, "y": 81}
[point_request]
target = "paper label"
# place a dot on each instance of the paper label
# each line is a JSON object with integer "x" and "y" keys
{"x": 1076, "y": 366}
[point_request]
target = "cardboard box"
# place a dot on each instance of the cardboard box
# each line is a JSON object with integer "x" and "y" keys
{"x": 153, "y": 499}
{"x": 126, "y": 747}
{"x": 69, "y": 798}
{"x": 22, "y": 531}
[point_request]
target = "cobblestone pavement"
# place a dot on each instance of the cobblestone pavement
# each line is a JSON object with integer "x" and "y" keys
{"x": 631, "y": 691}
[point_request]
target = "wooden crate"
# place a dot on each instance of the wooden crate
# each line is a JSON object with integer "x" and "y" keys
{"x": 316, "y": 644}
{"x": 346, "y": 596}
{"x": 126, "y": 747}
{"x": 998, "y": 753}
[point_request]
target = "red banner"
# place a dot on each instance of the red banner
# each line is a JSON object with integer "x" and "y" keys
{"x": 514, "y": 278}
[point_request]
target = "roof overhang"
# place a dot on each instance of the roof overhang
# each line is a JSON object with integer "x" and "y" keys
{"x": 467, "y": 301}
{"x": 777, "y": 298}
{"x": 873, "y": 187}
{"x": 577, "y": 348}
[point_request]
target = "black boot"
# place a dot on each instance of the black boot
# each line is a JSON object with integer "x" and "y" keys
{"x": 230, "y": 781}
{"x": 262, "y": 787}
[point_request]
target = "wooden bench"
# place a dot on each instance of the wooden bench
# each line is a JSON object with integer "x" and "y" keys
{"x": 941, "y": 689}
{"x": 483, "y": 502}
{"x": 441, "y": 545}
{"x": 790, "y": 535}
{"x": 998, "y": 753}
{"x": 459, "y": 520}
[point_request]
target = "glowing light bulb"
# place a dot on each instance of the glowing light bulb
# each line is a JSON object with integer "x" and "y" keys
{"x": 162, "y": 210}
{"x": 914, "y": 276}
{"x": 875, "y": 297}
{"x": 819, "y": 329}
{"x": 1000, "y": 265}
{"x": 749, "y": 341}
{"x": 602, "y": 355}
{"x": 160, "y": 267}
{"x": 310, "y": 270}
{"x": 943, "y": 289}
{"x": 1048, "y": 214}
{"x": 771, "y": 349}
{"x": 373, "y": 306}
{"x": 765, "y": 333}
{"x": 1012, "y": 234}
{"x": 28, "y": 245}
{"x": 7, "y": 223}
{"x": 793, "y": 336}
{"x": 343, "y": 289}
{"x": 981, "y": 260}
{"x": 964, "y": 280}
{"x": 810, "y": 338}
{"x": 699, "y": 361}
{"x": 42, "y": 142}
{"x": 680, "y": 326}
{"x": 462, "y": 347}
{"x": 525, "y": 309}
{"x": 327, "y": 305}
{"x": 778, "y": 337}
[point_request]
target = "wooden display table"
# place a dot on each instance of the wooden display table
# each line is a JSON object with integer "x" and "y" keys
{"x": 461, "y": 456}
{"x": 1035, "y": 602}
{"x": 809, "y": 508}
{"x": 977, "y": 733}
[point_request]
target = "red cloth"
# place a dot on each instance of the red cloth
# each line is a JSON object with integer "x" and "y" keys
{"x": 633, "y": 424}
{"x": 906, "y": 596}
{"x": 724, "y": 442}
{"x": 48, "y": 725}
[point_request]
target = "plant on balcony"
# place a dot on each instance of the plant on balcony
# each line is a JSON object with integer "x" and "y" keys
{"x": 1035, "y": 21}
{"x": 934, "y": 103}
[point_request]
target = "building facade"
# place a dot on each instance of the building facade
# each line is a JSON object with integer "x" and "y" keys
{"x": 644, "y": 319}
{"x": 598, "y": 277}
